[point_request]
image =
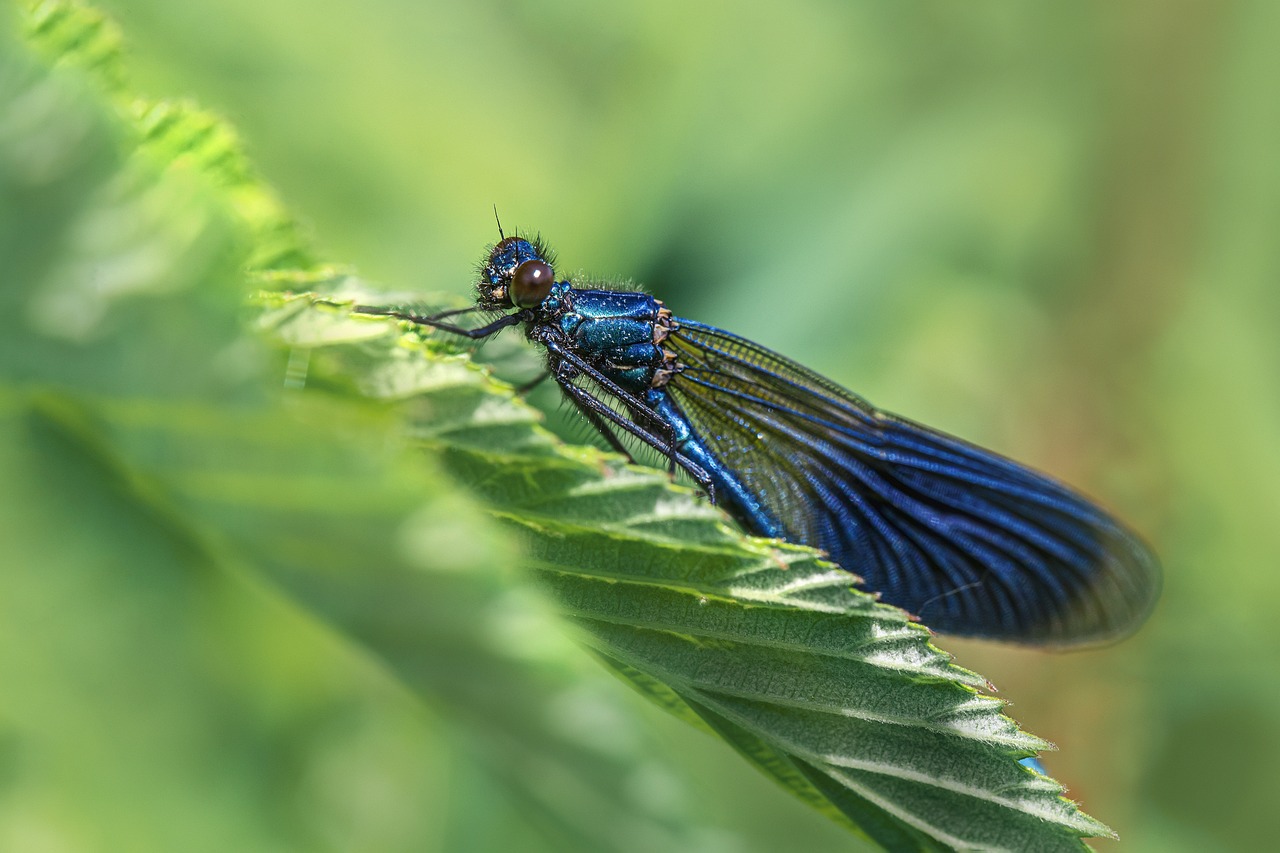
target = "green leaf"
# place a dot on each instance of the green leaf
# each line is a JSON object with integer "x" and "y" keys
{"x": 180, "y": 483}
{"x": 841, "y": 699}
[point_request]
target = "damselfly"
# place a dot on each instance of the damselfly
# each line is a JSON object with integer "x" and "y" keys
{"x": 967, "y": 540}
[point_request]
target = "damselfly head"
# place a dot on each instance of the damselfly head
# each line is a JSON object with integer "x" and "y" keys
{"x": 518, "y": 273}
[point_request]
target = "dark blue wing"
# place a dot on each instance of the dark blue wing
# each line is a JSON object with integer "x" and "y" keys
{"x": 971, "y": 542}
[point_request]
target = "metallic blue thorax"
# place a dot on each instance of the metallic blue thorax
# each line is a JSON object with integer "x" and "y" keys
{"x": 617, "y": 331}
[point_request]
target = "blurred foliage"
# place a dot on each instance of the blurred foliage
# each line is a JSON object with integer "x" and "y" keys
{"x": 1049, "y": 229}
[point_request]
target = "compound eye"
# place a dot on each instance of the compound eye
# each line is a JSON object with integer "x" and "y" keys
{"x": 530, "y": 283}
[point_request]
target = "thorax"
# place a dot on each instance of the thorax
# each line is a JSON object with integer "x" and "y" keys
{"x": 619, "y": 332}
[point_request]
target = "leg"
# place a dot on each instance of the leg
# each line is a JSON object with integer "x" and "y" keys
{"x": 602, "y": 426}
{"x": 521, "y": 390}
{"x": 564, "y": 376}
{"x": 632, "y": 402}
{"x": 585, "y": 401}
{"x": 435, "y": 322}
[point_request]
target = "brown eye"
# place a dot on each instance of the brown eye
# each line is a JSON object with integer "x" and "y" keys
{"x": 530, "y": 283}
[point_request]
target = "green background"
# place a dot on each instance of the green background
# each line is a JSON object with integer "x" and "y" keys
{"x": 1051, "y": 231}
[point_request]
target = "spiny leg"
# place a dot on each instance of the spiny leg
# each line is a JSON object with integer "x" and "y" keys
{"x": 632, "y": 402}
{"x": 522, "y": 390}
{"x": 435, "y": 321}
{"x": 565, "y": 374}
{"x": 602, "y": 426}
{"x": 584, "y": 399}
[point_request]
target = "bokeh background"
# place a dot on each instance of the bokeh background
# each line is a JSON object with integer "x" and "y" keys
{"x": 1048, "y": 229}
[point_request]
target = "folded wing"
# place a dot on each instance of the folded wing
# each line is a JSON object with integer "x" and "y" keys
{"x": 971, "y": 542}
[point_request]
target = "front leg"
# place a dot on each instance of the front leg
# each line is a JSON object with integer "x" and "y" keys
{"x": 436, "y": 321}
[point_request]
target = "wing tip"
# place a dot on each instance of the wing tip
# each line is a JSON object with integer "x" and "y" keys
{"x": 1123, "y": 592}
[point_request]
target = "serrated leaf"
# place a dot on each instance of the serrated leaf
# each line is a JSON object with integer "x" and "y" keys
{"x": 842, "y": 699}
{"x": 72, "y": 35}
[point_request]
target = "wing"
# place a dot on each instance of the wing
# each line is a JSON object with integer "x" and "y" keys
{"x": 971, "y": 542}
